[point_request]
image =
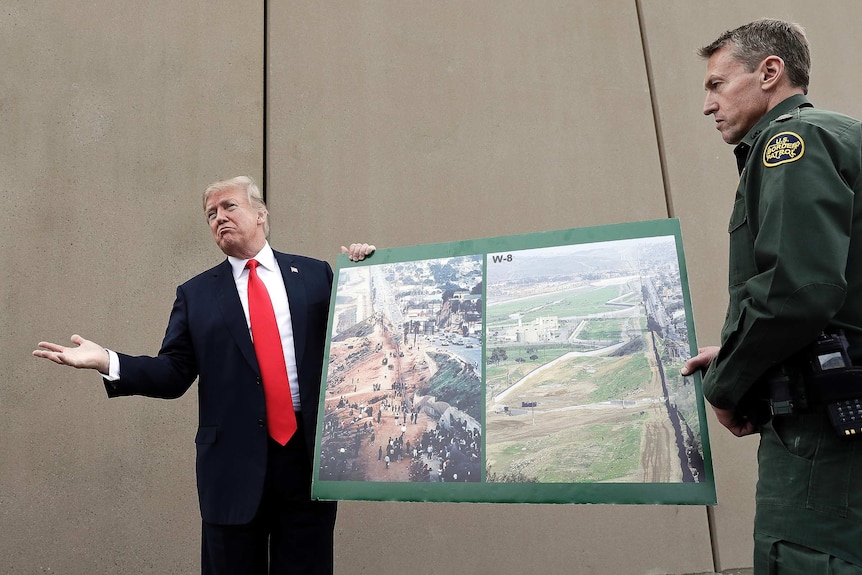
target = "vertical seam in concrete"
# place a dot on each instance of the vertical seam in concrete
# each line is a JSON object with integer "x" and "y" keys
{"x": 713, "y": 540}
{"x": 655, "y": 112}
{"x": 710, "y": 515}
{"x": 265, "y": 102}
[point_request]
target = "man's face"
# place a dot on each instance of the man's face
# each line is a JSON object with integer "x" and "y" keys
{"x": 237, "y": 227}
{"x": 734, "y": 96}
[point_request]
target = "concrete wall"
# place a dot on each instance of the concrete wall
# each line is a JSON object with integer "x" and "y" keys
{"x": 115, "y": 116}
{"x": 399, "y": 122}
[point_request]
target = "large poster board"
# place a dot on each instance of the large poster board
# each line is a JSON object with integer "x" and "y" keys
{"x": 536, "y": 368}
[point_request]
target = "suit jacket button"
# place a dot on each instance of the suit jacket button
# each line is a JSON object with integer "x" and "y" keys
{"x": 261, "y": 423}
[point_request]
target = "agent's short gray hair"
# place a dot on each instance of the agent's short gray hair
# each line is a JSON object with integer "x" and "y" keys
{"x": 751, "y": 43}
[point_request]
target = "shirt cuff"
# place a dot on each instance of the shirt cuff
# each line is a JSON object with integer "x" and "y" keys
{"x": 114, "y": 369}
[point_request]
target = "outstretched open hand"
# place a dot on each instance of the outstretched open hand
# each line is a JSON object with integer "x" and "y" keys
{"x": 85, "y": 355}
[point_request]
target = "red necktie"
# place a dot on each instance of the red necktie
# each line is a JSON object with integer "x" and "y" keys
{"x": 280, "y": 417}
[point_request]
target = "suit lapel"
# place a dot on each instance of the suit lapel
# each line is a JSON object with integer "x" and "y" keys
{"x": 298, "y": 300}
{"x": 231, "y": 310}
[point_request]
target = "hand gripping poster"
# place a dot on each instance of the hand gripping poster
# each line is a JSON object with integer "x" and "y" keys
{"x": 537, "y": 368}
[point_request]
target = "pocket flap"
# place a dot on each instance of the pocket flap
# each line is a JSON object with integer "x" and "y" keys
{"x": 206, "y": 435}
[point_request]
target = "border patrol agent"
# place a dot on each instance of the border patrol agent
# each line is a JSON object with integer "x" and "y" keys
{"x": 795, "y": 272}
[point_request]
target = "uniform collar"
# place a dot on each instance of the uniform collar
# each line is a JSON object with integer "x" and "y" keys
{"x": 784, "y": 107}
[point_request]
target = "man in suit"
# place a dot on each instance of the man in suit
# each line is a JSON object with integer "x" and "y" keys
{"x": 254, "y": 478}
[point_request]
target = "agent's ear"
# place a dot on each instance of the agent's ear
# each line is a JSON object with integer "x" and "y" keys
{"x": 771, "y": 72}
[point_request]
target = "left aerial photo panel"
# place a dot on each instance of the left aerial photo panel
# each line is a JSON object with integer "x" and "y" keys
{"x": 404, "y": 384}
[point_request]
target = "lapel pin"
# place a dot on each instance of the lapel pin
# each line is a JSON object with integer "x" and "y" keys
{"x": 294, "y": 270}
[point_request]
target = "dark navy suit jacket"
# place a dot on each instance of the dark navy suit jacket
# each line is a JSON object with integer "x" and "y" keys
{"x": 207, "y": 337}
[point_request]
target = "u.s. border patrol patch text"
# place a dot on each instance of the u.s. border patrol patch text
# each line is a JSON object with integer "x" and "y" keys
{"x": 783, "y": 148}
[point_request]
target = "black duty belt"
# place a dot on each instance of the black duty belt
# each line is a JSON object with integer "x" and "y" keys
{"x": 819, "y": 378}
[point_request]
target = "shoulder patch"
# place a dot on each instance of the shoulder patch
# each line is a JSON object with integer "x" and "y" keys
{"x": 783, "y": 148}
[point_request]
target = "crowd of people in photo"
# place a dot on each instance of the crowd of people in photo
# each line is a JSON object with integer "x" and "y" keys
{"x": 448, "y": 452}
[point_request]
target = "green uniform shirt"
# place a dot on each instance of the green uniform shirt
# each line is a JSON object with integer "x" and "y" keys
{"x": 795, "y": 244}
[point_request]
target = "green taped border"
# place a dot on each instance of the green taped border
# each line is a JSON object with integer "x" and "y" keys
{"x": 683, "y": 493}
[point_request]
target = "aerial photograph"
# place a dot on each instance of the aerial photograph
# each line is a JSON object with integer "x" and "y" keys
{"x": 583, "y": 346}
{"x": 404, "y": 393}
{"x": 548, "y": 365}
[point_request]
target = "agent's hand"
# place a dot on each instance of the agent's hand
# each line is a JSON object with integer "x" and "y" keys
{"x": 358, "y": 252}
{"x": 739, "y": 426}
{"x": 85, "y": 355}
{"x": 701, "y": 361}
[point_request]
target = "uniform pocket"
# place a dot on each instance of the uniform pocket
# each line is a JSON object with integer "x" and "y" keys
{"x": 793, "y": 434}
{"x": 802, "y": 464}
{"x": 738, "y": 216}
{"x": 785, "y": 462}
{"x": 741, "y": 265}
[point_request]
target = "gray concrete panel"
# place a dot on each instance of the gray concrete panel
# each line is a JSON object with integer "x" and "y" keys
{"x": 115, "y": 117}
{"x": 406, "y": 123}
{"x": 418, "y": 122}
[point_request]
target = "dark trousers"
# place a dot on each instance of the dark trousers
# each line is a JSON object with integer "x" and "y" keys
{"x": 809, "y": 498}
{"x": 290, "y": 533}
{"x": 776, "y": 557}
